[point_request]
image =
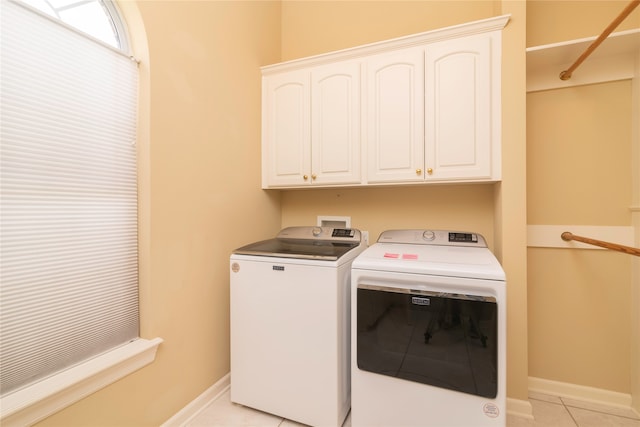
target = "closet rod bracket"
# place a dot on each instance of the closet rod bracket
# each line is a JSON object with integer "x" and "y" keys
{"x": 567, "y": 237}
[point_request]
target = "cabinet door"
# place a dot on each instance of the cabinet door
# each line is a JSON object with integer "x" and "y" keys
{"x": 395, "y": 116}
{"x": 459, "y": 109}
{"x": 335, "y": 124}
{"x": 286, "y": 136}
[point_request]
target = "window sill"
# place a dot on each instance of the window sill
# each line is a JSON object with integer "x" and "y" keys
{"x": 34, "y": 403}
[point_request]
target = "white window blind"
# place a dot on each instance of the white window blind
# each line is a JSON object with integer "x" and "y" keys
{"x": 68, "y": 197}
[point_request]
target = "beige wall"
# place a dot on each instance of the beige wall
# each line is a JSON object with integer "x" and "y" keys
{"x": 467, "y": 207}
{"x": 579, "y": 151}
{"x": 200, "y": 195}
{"x": 558, "y": 21}
{"x": 578, "y": 157}
{"x": 315, "y": 27}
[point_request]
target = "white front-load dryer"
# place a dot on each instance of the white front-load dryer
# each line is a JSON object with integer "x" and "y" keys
{"x": 428, "y": 332}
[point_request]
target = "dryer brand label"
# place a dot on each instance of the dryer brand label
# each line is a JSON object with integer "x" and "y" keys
{"x": 420, "y": 301}
{"x": 491, "y": 410}
{"x": 278, "y": 267}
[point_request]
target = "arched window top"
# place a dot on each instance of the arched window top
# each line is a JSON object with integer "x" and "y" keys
{"x": 98, "y": 18}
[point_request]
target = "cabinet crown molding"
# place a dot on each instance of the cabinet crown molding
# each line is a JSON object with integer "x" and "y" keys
{"x": 432, "y": 36}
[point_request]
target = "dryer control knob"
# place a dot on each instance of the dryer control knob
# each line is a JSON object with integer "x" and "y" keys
{"x": 316, "y": 231}
{"x": 429, "y": 235}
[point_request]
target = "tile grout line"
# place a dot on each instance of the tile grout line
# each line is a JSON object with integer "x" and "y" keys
{"x": 597, "y": 411}
{"x": 566, "y": 408}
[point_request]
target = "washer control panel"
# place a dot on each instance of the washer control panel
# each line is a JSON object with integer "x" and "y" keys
{"x": 321, "y": 233}
{"x": 433, "y": 237}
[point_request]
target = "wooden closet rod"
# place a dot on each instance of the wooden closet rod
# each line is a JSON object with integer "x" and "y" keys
{"x": 566, "y": 74}
{"x": 566, "y": 236}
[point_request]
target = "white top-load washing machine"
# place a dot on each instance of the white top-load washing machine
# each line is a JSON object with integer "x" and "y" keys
{"x": 290, "y": 315}
{"x": 428, "y": 332}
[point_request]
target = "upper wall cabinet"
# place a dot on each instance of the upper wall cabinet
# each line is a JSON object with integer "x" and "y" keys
{"x": 395, "y": 116}
{"x": 433, "y": 113}
{"x": 422, "y": 108}
{"x": 311, "y": 126}
{"x": 286, "y": 129}
{"x": 462, "y": 127}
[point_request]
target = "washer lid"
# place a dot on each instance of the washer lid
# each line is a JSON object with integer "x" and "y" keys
{"x": 451, "y": 261}
{"x": 319, "y": 243}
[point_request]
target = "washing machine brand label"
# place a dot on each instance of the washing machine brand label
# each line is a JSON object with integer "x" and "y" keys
{"x": 420, "y": 301}
{"x": 491, "y": 410}
{"x": 278, "y": 267}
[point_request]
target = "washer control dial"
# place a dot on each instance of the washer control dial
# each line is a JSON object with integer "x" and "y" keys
{"x": 429, "y": 235}
{"x": 316, "y": 231}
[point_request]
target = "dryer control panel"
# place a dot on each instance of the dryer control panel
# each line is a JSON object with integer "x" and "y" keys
{"x": 433, "y": 237}
{"x": 463, "y": 237}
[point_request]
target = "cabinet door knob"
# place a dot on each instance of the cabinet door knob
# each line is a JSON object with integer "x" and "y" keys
{"x": 418, "y": 171}
{"x": 313, "y": 176}
{"x": 305, "y": 177}
{"x": 429, "y": 171}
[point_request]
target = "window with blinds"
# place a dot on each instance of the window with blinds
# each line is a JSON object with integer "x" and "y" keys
{"x": 68, "y": 197}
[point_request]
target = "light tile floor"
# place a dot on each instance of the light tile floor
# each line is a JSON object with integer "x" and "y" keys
{"x": 548, "y": 411}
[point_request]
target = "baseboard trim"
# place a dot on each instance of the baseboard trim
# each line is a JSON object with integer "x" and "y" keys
{"x": 515, "y": 407}
{"x": 580, "y": 392}
{"x": 196, "y": 406}
{"x": 519, "y": 408}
